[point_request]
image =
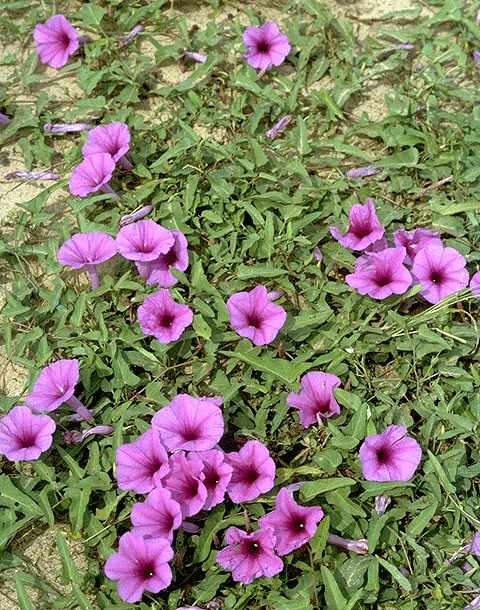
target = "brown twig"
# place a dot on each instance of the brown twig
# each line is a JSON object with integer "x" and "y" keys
{"x": 433, "y": 186}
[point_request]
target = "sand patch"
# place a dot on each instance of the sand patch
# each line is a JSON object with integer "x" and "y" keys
{"x": 42, "y": 560}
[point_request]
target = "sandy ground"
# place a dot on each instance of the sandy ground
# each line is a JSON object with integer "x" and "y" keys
{"x": 41, "y": 554}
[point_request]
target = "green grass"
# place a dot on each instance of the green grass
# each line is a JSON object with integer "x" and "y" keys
{"x": 253, "y": 212}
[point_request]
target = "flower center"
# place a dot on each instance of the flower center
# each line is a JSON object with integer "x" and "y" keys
{"x": 64, "y": 39}
{"x": 191, "y": 490}
{"x": 191, "y": 434}
{"x": 383, "y": 455}
{"x": 167, "y": 522}
{"x": 251, "y": 547}
{"x": 436, "y": 277}
{"x": 263, "y": 46}
{"x": 211, "y": 479}
{"x": 26, "y": 440}
{"x": 147, "y": 248}
{"x": 254, "y": 320}
{"x": 170, "y": 258}
{"x": 383, "y": 279}
{"x": 148, "y": 571}
{"x": 250, "y": 475}
{"x": 361, "y": 230}
{"x": 166, "y": 321}
{"x": 299, "y": 525}
{"x": 154, "y": 467}
{"x": 322, "y": 407}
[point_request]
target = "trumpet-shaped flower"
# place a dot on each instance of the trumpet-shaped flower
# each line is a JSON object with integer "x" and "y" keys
{"x": 55, "y": 386}
{"x": 316, "y": 399}
{"x": 142, "y": 465}
{"x": 250, "y": 556}
{"x": 56, "y": 40}
{"x": 158, "y": 516}
{"x": 159, "y": 271}
{"x": 139, "y": 565}
{"x": 24, "y": 436}
{"x": 253, "y": 315}
{"x": 364, "y": 227}
{"x": 440, "y": 271}
{"x": 189, "y": 423}
{"x": 185, "y": 483}
{"x": 266, "y": 46}
{"x": 390, "y": 456}
{"x": 253, "y": 472}
{"x": 293, "y": 524}
{"x": 144, "y": 241}
{"x": 381, "y": 274}
{"x": 162, "y": 317}
{"x": 92, "y": 174}
{"x": 87, "y": 250}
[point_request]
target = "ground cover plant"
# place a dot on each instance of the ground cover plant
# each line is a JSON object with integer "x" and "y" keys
{"x": 247, "y": 306}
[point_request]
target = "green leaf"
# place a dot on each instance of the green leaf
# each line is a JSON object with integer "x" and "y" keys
{"x": 312, "y": 489}
{"x": 91, "y": 14}
{"x": 22, "y": 595}
{"x": 420, "y": 522}
{"x": 12, "y": 497}
{"x": 404, "y": 158}
{"x": 396, "y": 574}
{"x": 333, "y": 596}
{"x": 442, "y": 477}
{"x": 285, "y": 371}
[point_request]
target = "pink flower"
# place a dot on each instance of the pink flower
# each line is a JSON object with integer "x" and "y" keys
{"x": 294, "y": 525}
{"x": 144, "y": 241}
{"x": 381, "y": 274}
{"x": 113, "y": 139}
{"x": 185, "y": 483}
{"x": 364, "y": 227}
{"x": 55, "y": 386}
{"x": 158, "y": 516}
{"x": 87, "y": 250}
{"x": 191, "y": 424}
{"x": 253, "y": 315}
{"x": 378, "y": 246}
{"x": 24, "y": 436}
{"x": 250, "y": 556}
{"x": 475, "y": 284}
{"x": 474, "y": 546}
{"x": 253, "y": 472}
{"x": 162, "y": 317}
{"x": 414, "y": 241}
{"x": 158, "y": 271}
{"x": 143, "y": 464}
{"x": 56, "y": 40}
{"x": 92, "y": 174}
{"x": 390, "y": 456}
{"x": 218, "y": 474}
{"x": 440, "y": 271}
{"x": 266, "y": 46}
{"x": 316, "y": 399}
{"x": 140, "y": 565}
